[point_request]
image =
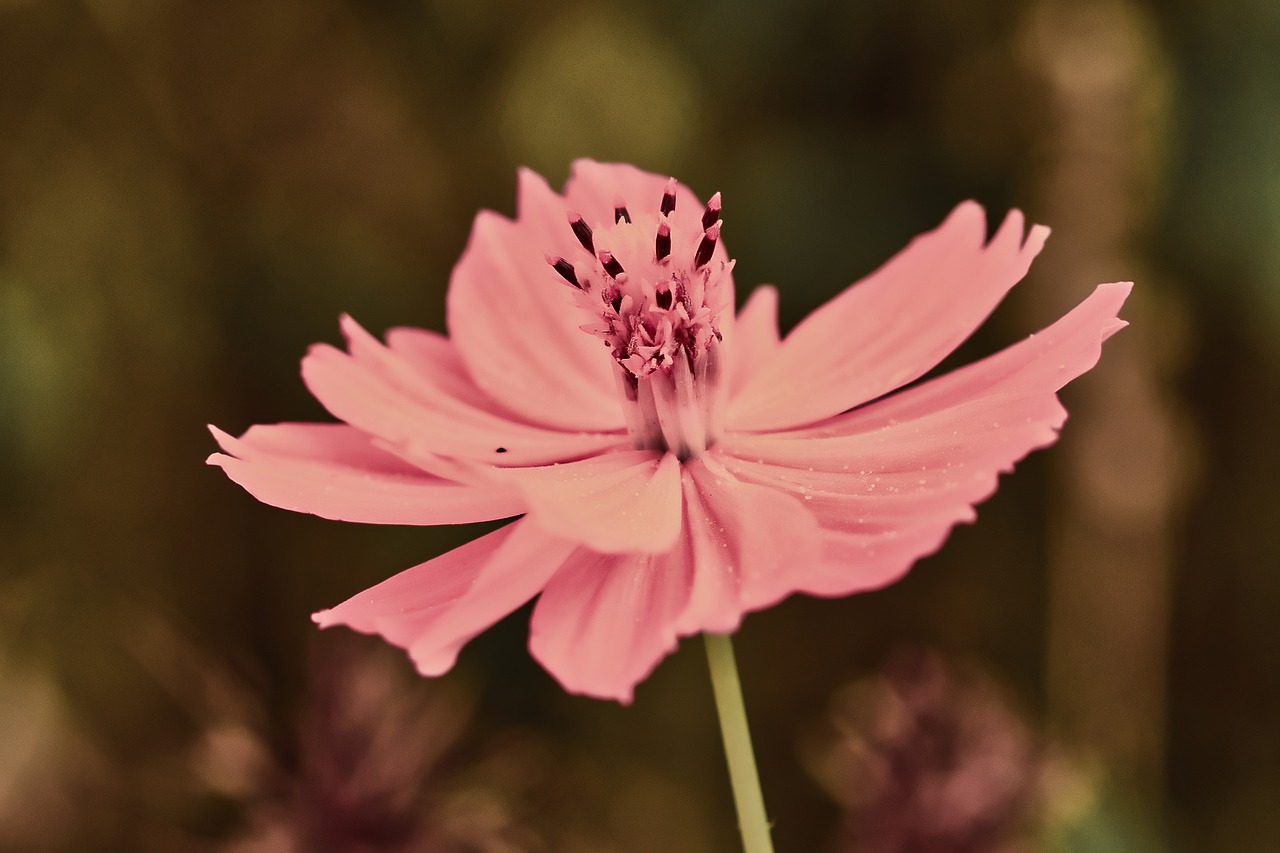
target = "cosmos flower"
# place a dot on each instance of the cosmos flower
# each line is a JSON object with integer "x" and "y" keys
{"x": 673, "y": 465}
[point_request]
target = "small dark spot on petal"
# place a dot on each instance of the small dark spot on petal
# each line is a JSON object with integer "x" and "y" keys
{"x": 500, "y": 450}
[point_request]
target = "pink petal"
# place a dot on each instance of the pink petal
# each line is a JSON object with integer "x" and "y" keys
{"x": 421, "y": 407}
{"x": 628, "y": 500}
{"x": 515, "y": 325}
{"x": 1043, "y": 362}
{"x": 433, "y": 609}
{"x": 338, "y": 444}
{"x": 593, "y": 189}
{"x": 861, "y": 562}
{"x": 890, "y": 479}
{"x": 434, "y": 356}
{"x": 335, "y": 471}
{"x": 605, "y": 620}
{"x": 892, "y": 326}
{"x": 755, "y": 337}
{"x": 748, "y": 543}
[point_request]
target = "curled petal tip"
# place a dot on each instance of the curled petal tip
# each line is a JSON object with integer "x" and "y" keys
{"x": 351, "y": 330}
{"x": 1036, "y": 238}
{"x": 225, "y": 440}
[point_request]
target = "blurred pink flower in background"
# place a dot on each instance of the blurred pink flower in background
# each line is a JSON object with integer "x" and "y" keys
{"x": 674, "y": 465}
{"x": 930, "y": 758}
{"x": 358, "y": 788}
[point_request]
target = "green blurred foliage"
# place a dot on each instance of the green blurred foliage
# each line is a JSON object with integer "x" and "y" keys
{"x": 190, "y": 195}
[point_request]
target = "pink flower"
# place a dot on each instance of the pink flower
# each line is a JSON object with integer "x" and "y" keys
{"x": 674, "y": 465}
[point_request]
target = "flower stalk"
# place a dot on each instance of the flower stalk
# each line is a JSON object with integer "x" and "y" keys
{"x": 747, "y": 796}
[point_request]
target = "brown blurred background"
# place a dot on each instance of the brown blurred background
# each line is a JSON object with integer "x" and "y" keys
{"x": 191, "y": 193}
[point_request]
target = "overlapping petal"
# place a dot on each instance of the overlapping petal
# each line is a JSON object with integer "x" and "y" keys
{"x": 748, "y": 542}
{"x": 335, "y": 471}
{"x": 515, "y": 325}
{"x": 605, "y": 620}
{"x": 890, "y": 479}
{"x": 755, "y": 339}
{"x": 625, "y": 501}
{"x": 383, "y": 392}
{"x": 433, "y": 609}
{"x": 434, "y": 356}
{"x": 891, "y": 327}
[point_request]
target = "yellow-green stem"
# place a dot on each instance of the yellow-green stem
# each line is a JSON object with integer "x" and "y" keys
{"x": 737, "y": 746}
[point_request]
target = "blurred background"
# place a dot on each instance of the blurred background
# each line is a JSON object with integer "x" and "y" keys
{"x": 191, "y": 193}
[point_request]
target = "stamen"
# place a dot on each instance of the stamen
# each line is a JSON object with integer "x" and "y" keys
{"x": 582, "y": 231}
{"x": 611, "y": 265}
{"x": 662, "y": 243}
{"x": 669, "y": 198}
{"x": 565, "y": 269}
{"x": 662, "y": 297}
{"x": 707, "y": 246}
{"x": 613, "y": 295}
{"x": 712, "y": 213}
{"x": 656, "y": 308}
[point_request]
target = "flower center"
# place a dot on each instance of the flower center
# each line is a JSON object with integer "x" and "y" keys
{"x": 655, "y": 290}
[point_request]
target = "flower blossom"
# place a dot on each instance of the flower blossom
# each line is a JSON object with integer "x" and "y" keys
{"x": 670, "y": 465}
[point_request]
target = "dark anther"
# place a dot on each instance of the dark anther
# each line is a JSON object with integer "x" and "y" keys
{"x": 611, "y": 265}
{"x": 565, "y": 269}
{"x": 669, "y": 198}
{"x": 582, "y": 231}
{"x": 707, "y": 246}
{"x": 620, "y": 215}
{"x": 663, "y": 298}
{"x": 712, "y": 213}
{"x": 500, "y": 450}
{"x": 662, "y": 243}
{"x": 614, "y": 295}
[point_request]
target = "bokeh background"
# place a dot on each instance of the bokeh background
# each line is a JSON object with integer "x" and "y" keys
{"x": 191, "y": 193}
